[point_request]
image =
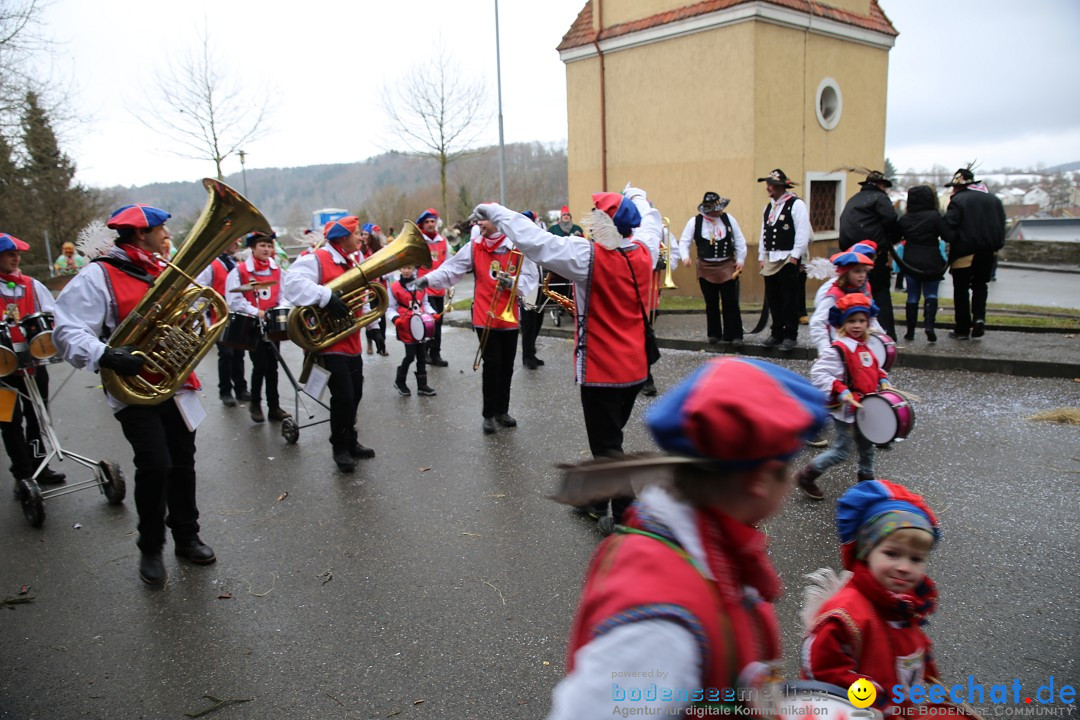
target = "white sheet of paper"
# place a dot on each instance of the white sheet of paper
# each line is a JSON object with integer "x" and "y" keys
{"x": 316, "y": 383}
{"x": 190, "y": 408}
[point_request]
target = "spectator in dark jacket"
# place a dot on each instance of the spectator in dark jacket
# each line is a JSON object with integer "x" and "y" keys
{"x": 923, "y": 228}
{"x": 869, "y": 215}
{"x": 977, "y": 220}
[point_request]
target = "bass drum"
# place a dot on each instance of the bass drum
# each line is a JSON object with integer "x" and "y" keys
{"x": 243, "y": 332}
{"x": 9, "y": 360}
{"x": 418, "y": 328}
{"x": 884, "y": 349}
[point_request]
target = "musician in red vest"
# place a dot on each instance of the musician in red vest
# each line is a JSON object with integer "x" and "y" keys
{"x": 428, "y": 222}
{"x": 305, "y": 284}
{"x": 162, "y": 436}
{"x": 491, "y": 259}
{"x": 230, "y": 360}
{"x": 260, "y": 267}
{"x": 23, "y": 296}
{"x": 686, "y": 585}
{"x": 405, "y": 302}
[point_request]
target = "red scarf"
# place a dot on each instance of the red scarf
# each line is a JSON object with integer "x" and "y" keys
{"x": 262, "y": 265}
{"x": 142, "y": 258}
{"x": 16, "y": 278}
{"x": 430, "y": 236}
{"x": 738, "y": 551}
{"x": 913, "y": 607}
{"x": 349, "y": 261}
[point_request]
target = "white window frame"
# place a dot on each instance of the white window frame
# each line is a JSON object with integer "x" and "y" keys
{"x": 829, "y": 83}
{"x": 841, "y": 193}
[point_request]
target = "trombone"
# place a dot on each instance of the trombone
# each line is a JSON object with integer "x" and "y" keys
{"x": 514, "y": 266}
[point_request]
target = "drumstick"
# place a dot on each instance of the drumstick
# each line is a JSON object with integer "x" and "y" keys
{"x": 906, "y": 395}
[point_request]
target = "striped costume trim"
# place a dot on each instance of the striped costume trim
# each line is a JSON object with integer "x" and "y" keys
{"x": 659, "y": 611}
{"x": 849, "y": 623}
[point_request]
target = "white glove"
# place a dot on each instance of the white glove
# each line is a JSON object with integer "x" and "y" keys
{"x": 633, "y": 192}
{"x": 505, "y": 281}
{"x": 420, "y": 283}
{"x": 485, "y": 211}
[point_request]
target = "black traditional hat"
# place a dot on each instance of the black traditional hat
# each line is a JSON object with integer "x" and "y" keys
{"x": 962, "y": 178}
{"x": 712, "y": 202}
{"x": 876, "y": 177}
{"x": 777, "y": 177}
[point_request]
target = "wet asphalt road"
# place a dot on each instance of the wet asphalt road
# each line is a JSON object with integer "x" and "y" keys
{"x": 437, "y": 581}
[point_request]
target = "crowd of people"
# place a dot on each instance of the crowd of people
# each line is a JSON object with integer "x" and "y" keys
{"x": 685, "y": 581}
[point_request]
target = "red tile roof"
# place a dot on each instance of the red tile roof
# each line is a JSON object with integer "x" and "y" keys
{"x": 581, "y": 31}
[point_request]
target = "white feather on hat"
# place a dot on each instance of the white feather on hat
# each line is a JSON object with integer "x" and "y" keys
{"x": 600, "y": 228}
{"x": 95, "y": 240}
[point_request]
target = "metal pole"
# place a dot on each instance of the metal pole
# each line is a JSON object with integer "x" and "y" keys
{"x": 243, "y": 169}
{"x": 48, "y": 256}
{"x": 498, "y": 82}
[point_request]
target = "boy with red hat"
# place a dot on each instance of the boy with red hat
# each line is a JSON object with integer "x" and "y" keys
{"x": 259, "y": 268}
{"x": 305, "y": 284}
{"x": 162, "y": 436}
{"x": 23, "y": 296}
{"x": 685, "y": 585}
{"x": 871, "y": 626}
{"x": 404, "y": 301}
{"x": 428, "y": 222}
{"x": 852, "y": 268}
{"x": 847, "y": 373}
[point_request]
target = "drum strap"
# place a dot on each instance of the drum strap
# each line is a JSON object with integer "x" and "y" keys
{"x": 126, "y": 266}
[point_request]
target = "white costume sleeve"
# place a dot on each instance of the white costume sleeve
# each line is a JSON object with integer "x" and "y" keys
{"x": 236, "y": 300}
{"x": 206, "y": 277}
{"x": 391, "y": 306}
{"x": 82, "y": 311}
{"x": 43, "y": 299}
{"x": 651, "y": 225}
{"x": 819, "y": 324}
{"x": 566, "y": 256}
{"x": 451, "y": 271}
{"x": 828, "y": 366}
{"x": 801, "y": 217}
{"x": 685, "y": 240}
{"x": 589, "y": 692}
{"x": 740, "y": 241}
{"x": 530, "y": 278}
{"x": 301, "y": 284}
{"x": 761, "y": 254}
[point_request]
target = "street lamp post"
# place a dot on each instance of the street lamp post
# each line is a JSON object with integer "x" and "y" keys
{"x": 243, "y": 168}
{"x": 498, "y": 82}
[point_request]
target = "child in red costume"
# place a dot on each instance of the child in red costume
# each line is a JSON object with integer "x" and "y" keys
{"x": 871, "y": 627}
{"x": 846, "y": 375}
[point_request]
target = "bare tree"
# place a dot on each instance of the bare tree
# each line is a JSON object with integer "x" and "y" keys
{"x": 20, "y": 41}
{"x": 207, "y": 113}
{"x": 436, "y": 112}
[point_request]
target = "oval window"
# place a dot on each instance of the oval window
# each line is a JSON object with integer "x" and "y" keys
{"x": 830, "y": 104}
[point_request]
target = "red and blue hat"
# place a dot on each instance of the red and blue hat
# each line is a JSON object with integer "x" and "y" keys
{"x": 620, "y": 209}
{"x": 138, "y": 216}
{"x": 10, "y": 242}
{"x": 530, "y": 214}
{"x": 848, "y": 305}
{"x": 342, "y": 227}
{"x": 848, "y": 258}
{"x": 866, "y": 247}
{"x": 737, "y": 412}
{"x": 367, "y": 227}
{"x": 429, "y": 213}
{"x": 872, "y": 510}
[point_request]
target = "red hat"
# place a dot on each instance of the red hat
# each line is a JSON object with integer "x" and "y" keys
{"x": 429, "y": 213}
{"x": 565, "y": 210}
{"x": 138, "y": 216}
{"x": 10, "y": 242}
{"x": 342, "y": 227}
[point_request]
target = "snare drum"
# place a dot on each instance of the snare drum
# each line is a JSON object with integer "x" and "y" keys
{"x": 38, "y": 329}
{"x": 277, "y": 323}
{"x": 243, "y": 332}
{"x": 809, "y": 699}
{"x": 885, "y": 417}
{"x": 884, "y": 349}
{"x": 421, "y": 327}
{"x": 9, "y": 361}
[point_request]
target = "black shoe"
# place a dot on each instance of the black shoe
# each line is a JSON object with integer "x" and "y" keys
{"x": 954, "y": 336}
{"x": 931, "y": 336}
{"x": 736, "y": 342}
{"x": 437, "y": 360}
{"x": 228, "y": 400}
{"x": 530, "y": 363}
{"x": 152, "y": 569}
{"x": 345, "y": 462}
{"x": 489, "y": 426}
{"x": 648, "y": 389}
{"x": 243, "y": 396}
{"x": 788, "y": 345}
{"x": 772, "y": 341}
{"x": 506, "y": 420}
{"x": 195, "y": 551}
{"x": 426, "y": 391}
{"x": 361, "y": 452}
{"x": 806, "y": 480}
{"x": 713, "y": 340}
{"x": 382, "y": 351}
{"x": 979, "y": 329}
{"x": 539, "y": 361}
{"x": 48, "y": 476}
{"x": 277, "y": 414}
{"x": 402, "y": 389}
{"x": 257, "y": 413}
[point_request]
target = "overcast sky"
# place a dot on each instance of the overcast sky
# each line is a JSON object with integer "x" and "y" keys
{"x": 993, "y": 80}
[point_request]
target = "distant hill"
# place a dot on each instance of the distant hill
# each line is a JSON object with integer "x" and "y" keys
{"x": 1067, "y": 167}
{"x": 384, "y": 189}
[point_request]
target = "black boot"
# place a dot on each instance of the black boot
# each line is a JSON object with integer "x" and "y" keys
{"x": 806, "y": 480}
{"x": 930, "y": 317}
{"x": 399, "y": 383}
{"x": 912, "y": 320}
{"x": 422, "y": 386}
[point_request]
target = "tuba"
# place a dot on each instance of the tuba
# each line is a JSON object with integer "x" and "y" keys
{"x": 313, "y": 328}
{"x": 169, "y": 326}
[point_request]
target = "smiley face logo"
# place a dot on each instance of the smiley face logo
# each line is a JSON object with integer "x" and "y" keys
{"x": 862, "y": 693}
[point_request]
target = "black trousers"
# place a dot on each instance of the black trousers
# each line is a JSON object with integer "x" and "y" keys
{"x": 414, "y": 351}
{"x": 264, "y": 367}
{"x": 973, "y": 279}
{"x": 376, "y": 332}
{"x": 607, "y": 410}
{"x": 782, "y": 294}
{"x": 434, "y": 345}
{"x": 730, "y": 318}
{"x": 498, "y": 370}
{"x": 164, "y": 473}
{"x": 346, "y": 389}
{"x": 230, "y": 366}
{"x": 19, "y": 444}
{"x": 881, "y": 284}
{"x": 531, "y": 321}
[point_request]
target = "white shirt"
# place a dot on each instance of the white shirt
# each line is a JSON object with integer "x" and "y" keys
{"x": 237, "y": 301}
{"x": 800, "y": 216}
{"x": 43, "y": 299}
{"x": 300, "y": 286}
{"x": 451, "y": 271}
{"x": 822, "y": 333}
{"x": 712, "y": 228}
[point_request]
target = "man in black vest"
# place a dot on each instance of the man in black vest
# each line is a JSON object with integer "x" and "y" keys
{"x": 721, "y": 252}
{"x": 977, "y": 220}
{"x": 869, "y": 215}
{"x": 785, "y": 236}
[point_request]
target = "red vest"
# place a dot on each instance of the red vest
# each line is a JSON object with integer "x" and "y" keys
{"x": 838, "y": 292}
{"x": 484, "y": 269}
{"x": 126, "y": 292}
{"x": 217, "y": 278}
{"x": 632, "y": 577}
{"x": 439, "y": 249}
{"x": 408, "y": 301}
{"x": 610, "y": 338}
{"x": 328, "y": 270}
{"x": 24, "y": 305}
{"x": 263, "y": 298}
{"x": 863, "y": 372}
